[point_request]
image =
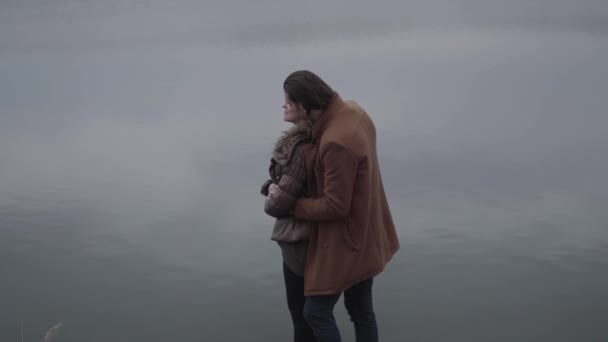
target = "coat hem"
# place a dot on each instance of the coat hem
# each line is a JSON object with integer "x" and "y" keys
{"x": 350, "y": 284}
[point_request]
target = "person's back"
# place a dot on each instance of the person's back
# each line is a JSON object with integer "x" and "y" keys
{"x": 356, "y": 130}
{"x": 355, "y": 226}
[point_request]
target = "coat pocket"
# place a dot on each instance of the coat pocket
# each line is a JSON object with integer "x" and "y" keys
{"x": 352, "y": 236}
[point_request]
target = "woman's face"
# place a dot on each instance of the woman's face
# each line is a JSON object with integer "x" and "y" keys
{"x": 293, "y": 112}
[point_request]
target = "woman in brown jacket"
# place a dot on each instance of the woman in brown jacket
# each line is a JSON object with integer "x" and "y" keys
{"x": 288, "y": 172}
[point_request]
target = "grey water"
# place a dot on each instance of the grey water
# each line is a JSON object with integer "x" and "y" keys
{"x": 134, "y": 137}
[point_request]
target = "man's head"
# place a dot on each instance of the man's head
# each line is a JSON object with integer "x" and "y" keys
{"x": 307, "y": 91}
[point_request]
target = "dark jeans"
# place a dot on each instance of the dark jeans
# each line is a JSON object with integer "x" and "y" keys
{"x": 318, "y": 312}
{"x": 294, "y": 286}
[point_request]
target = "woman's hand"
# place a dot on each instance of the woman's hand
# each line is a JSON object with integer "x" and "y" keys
{"x": 272, "y": 190}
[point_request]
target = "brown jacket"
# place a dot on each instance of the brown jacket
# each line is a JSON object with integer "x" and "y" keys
{"x": 355, "y": 236}
{"x": 288, "y": 171}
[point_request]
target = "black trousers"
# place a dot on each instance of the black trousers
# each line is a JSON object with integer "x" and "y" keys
{"x": 313, "y": 319}
{"x": 294, "y": 286}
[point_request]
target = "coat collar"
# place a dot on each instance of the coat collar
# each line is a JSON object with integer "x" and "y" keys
{"x": 286, "y": 144}
{"x": 335, "y": 105}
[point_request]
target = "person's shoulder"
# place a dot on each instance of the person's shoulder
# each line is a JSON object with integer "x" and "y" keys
{"x": 300, "y": 145}
{"x": 352, "y": 106}
{"x": 351, "y": 129}
{"x": 351, "y": 103}
{"x": 299, "y": 148}
{"x": 296, "y": 157}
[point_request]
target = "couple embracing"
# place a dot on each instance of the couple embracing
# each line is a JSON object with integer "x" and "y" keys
{"x": 333, "y": 221}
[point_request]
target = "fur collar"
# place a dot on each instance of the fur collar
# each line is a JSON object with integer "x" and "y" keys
{"x": 284, "y": 146}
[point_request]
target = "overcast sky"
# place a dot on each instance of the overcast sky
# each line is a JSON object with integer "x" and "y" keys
{"x": 484, "y": 100}
{"x": 71, "y": 24}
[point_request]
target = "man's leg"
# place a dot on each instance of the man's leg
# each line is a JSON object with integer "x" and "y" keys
{"x": 294, "y": 286}
{"x": 319, "y": 313}
{"x": 358, "y": 302}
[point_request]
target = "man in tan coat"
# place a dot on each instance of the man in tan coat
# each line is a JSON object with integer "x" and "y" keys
{"x": 354, "y": 236}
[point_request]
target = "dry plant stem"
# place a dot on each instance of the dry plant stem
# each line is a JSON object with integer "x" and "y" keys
{"x": 52, "y": 333}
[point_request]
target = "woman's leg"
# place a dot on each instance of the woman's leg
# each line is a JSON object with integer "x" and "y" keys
{"x": 294, "y": 286}
{"x": 319, "y": 313}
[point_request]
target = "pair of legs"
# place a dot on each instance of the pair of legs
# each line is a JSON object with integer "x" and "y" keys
{"x": 313, "y": 317}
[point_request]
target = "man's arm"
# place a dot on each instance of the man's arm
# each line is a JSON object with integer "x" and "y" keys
{"x": 339, "y": 181}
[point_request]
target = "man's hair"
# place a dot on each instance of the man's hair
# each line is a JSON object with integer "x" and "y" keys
{"x": 306, "y": 88}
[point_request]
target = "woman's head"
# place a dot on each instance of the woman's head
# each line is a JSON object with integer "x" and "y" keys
{"x": 293, "y": 112}
{"x": 305, "y": 92}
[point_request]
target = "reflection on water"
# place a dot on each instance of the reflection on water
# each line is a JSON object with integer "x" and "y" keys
{"x": 443, "y": 283}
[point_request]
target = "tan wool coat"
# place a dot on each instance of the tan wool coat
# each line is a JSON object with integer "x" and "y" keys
{"x": 354, "y": 236}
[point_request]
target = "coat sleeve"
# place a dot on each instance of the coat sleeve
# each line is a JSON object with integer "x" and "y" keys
{"x": 265, "y": 186}
{"x": 340, "y": 171}
{"x": 291, "y": 186}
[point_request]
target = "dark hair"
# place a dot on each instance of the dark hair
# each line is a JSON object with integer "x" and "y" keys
{"x": 306, "y": 88}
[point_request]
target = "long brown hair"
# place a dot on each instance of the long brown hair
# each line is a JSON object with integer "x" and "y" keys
{"x": 307, "y": 89}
